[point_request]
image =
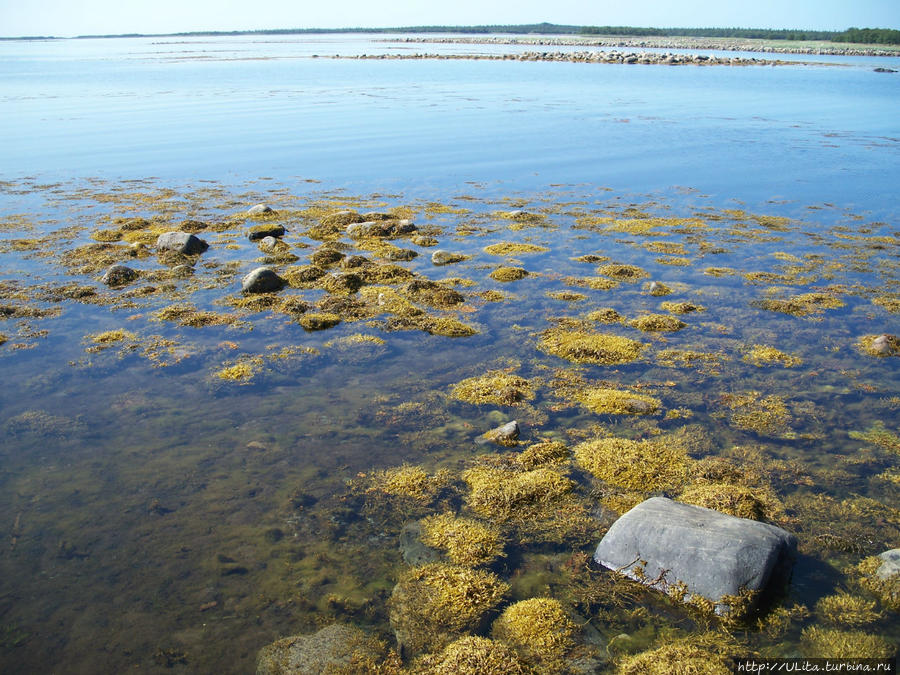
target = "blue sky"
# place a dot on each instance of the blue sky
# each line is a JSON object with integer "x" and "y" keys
{"x": 78, "y": 17}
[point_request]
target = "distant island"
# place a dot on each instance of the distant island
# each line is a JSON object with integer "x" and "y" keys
{"x": 869, "y": 36}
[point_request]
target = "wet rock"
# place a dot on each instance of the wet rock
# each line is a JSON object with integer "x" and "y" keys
{"x": 663, "y": 543}
{"x": 369, "y": 228}
{"x": 440, "y": 257}
{"x": 262, "y": 280}
{"x": 354, "y": 261}
{"x": 412, "y": 549}
{"x": 181, "y": 242}
{"x": 890, "y": 565}
{"x": 883, "y": 345}
{"x": 884, "y": 70}
{"x": 404, "y": 226}
{"x": 332, "y": 649}
{"x": 268, "y": 243}
{"x": 119, "y": 275}
{"x": 260, "y": 210}
{"x": 258, "y": 232}
{"x": 506, "y": 435}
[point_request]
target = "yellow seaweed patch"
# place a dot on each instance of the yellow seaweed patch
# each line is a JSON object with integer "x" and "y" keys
{"x": 409, "y": 481}
{"x": 472, "y": 655}
{"x": 832, "y": 643}
{"x": 545, "y": 453}
{"x": 675, "y": 261}
{"x": 880, "y": 437}
{"x": 657, "y": 323}
{"x": 635, "y": 466}
{"x": 494, "y": 387}
{"x": 584, "y": 347}
{"x": 503, "y": 494}
{"x": 755, "y": 503}
{"x": 605, "y": 315}
{"x": 241, "y": 372}
{"x": 762, "y": 355}
{"x": 468, "y": 542}
{"x": 319, "y": 321}
{"x": 111, "y": 336}
{"x": 681, "y": 307}
{"x": 508, "y": 274}
{"x": 507, "y": 248}
{"x": 655, "y": 226}
{"x": 539, "y": 630}
{"x": 622, "y": 272}
{"x": 753, "y": 412}
{"x": 703, "y": 654}
{"x": 890, "y": 303}
{"x": 604, "y": 401}
{"x": 850, "y": 611}
{"x": 434, "y": 604}
{"x": 594, "y": 283}
{"x": 566, "y": 296}
{"x": 801, "y": 305}
{"x": 188, "y": 315}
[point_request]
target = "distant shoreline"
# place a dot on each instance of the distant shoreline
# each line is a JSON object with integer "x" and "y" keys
{"x": 867, "y": 39}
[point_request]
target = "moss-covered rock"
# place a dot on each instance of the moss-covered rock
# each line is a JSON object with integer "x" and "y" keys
{"x": 586, "y": 347}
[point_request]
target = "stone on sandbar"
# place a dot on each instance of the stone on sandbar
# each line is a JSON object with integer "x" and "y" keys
{"x": 181, "y": 242}
{"x": 713, "y": 554}
{"x": 262, "y": 280}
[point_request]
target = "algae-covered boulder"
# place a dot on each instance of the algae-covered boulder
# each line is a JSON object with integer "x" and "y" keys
{"x": 473, "y": 655}
{"x": 260, "y": 210}
{"x": 262, "y": 280}
{"x": 694, "y": 551}
{"x": 335, "y": 648}
{"x": 181, "y": 242}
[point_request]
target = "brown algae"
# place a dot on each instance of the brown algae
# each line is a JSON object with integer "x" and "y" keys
{"x": 507, "y": 274}
{"x": 763, "y": 355}
{"x": 507, "y": 249}
{"x": 606, "y": 401}
{"x": 472, "y": 655}
{"x": 585, "y": 347}
{"x": 657, "y": 323}
{"x": 496, "y": 387}
{"x": 636, "y": 466}
{"x": 436, "y": 603}
{"x": 539, "y": 630}
{"x": 467, "y": 542}
{"x": 504, "y": 494}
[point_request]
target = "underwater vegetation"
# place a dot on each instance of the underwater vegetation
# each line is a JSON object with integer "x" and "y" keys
{"x": 346, "y": 410}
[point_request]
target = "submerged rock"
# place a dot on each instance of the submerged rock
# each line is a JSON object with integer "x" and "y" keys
{"x": 262, "y": 280}
{"x": 506, "y": 435}
{"x": 119, "y": 275}
{"x": 890, "y": 565}
{"x": 446, "y": 258}
{"x": 330, "y": 649}
{"x": 671, "y": 546}
{"x": 181, "y": 242}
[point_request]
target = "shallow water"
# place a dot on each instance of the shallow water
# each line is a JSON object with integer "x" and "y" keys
{"x": 160, "y": 516}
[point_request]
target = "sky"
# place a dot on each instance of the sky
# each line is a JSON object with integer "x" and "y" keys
{"x": 65, "y": 18}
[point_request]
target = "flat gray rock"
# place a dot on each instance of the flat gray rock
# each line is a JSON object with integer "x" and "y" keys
{"x": 890, "y": 565}
{"x": 262, "y": 280}
{"x": 712, "y": 553}
{"x": 181, "y": 242}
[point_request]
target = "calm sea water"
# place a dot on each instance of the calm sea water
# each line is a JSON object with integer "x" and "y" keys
{"x": 159, "y": 518}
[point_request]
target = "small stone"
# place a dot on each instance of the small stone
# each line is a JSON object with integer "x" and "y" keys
{"x": 268, "y": 243}
{"x": 181, "y": 242}
{"x": 260, "y": 210}
{"x": 258, "y": 232}
{"x": 881, "y": 345}
{"x": 506, "y": 435}
{"x": 119, "y": 275}
{"x": 401, "y": 254}
{"x": 890, "y": 565}
{"x": 262, "y": 280}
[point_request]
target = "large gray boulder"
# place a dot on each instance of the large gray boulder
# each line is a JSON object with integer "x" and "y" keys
{"x": 262, "y": 280}
{"x": 663, "y": 543}
{"x": 181, "y": 242}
